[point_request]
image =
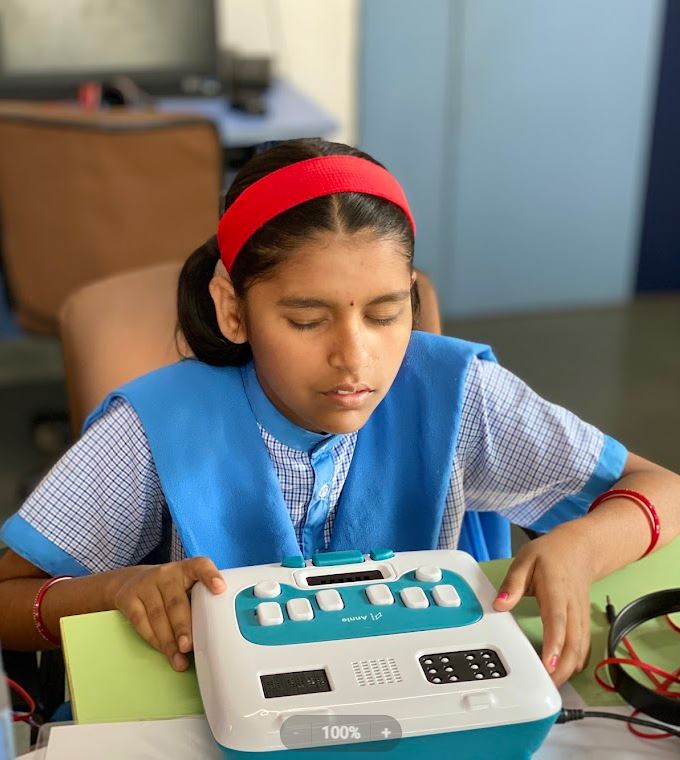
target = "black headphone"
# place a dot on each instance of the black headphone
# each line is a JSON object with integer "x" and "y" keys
{"x": 645, "y": 608}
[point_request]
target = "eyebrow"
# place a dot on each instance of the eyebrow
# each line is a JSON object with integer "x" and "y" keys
{"x": 317, "y": 303}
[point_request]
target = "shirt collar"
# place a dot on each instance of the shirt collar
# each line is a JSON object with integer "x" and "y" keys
{"x": 277, "y": 424}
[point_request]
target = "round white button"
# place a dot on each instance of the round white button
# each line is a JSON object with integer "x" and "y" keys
{"x": 428, "y": 574}
{"x": 324, "y": 490}
{"x": 267, "y": 589}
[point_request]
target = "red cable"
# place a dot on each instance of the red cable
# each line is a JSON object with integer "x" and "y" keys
{"x": 28, "y": 699}
{"x": 651, "y": 671}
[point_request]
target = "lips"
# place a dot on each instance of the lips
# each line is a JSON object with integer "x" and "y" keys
{"x": 348, "y": 396}
{"x": 345, "y": 390}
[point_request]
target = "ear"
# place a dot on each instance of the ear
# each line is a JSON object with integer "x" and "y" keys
{"x": 228, "y": 310}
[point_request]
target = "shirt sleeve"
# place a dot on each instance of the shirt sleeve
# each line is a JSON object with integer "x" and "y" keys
{"x": 526, "y": 458}
{"x": 100, "y": 507}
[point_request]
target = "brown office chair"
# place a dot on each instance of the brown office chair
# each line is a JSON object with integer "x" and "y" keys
{"x": 119, "y": 328}
{"x": 84, "y": 195}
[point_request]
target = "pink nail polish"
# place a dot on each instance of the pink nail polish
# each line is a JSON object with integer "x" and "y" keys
{"x": 503, "y": 596}
{"x": 553, "y": 662}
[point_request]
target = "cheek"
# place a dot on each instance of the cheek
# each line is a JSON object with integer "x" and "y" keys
{"x": 280, "y": 354}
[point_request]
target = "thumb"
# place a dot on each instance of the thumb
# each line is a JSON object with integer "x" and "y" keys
{"x": 514, "y": 585}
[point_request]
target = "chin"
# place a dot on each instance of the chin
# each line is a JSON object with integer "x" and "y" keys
{"x": 344, "y": 424}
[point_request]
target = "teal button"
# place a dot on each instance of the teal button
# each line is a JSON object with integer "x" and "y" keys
{"x": 326, "y": 559}
{"x": 295, "y": 560}
{"x": 378, "y": 554}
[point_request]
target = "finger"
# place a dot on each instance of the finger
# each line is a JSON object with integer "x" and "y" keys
{"x": 203, "y": 569}
{"x": 178, "y": 610}
{"x": 553, "y": 609}
{"x": 585, "y": 633}
{"x": 572, "y": 650}
{"x": 135, "y": 612}
{"x": 155, "y": 611}
{"x": 514, "y": 585}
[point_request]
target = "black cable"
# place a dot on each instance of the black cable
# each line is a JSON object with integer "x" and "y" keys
{"x": 610, "y": 611}
{"x": 566, "y": 716}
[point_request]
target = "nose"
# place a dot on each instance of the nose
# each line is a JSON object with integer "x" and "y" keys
{"x": 349, "y": 350}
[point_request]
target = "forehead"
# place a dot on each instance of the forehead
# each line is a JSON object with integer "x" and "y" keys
{"x": 360, "y": 261}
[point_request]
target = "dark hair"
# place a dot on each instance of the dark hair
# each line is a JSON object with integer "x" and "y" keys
{"x": 340, "y": 212}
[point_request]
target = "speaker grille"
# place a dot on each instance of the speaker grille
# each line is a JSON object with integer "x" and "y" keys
{"x": 376, "y": 672}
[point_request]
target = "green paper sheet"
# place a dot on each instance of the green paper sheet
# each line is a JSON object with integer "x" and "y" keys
{"x": 114, "y": 675}
{"x": 654, "y": 642}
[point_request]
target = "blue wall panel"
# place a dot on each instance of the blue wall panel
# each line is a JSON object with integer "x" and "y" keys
{"x": 521, "y": 131}
{"x": 404, "y": 71}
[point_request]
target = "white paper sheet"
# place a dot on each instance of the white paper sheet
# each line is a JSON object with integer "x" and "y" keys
{"x": 177, "y": 739}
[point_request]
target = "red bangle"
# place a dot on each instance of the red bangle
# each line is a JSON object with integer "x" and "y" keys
{"x": 643, "y": 502}
{"x": 37, "y": 614}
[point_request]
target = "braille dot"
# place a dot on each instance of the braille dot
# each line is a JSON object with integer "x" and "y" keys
{"x": 496, "y": 675}
{"x": 445, "y": 659}
{"x": 437, "y": 680}
{"x": 490, "y": 664}
{"x": 469, "y": 657}
{"x": 479, "y": 675}
{"x": 453, "y": 678}
{"x": 486, "y": 655}
{"x": 432, "y": 670}
{"x": 449, "y": 669}
{"x": 474, "y": 667}
{"x": 428, "y": 662}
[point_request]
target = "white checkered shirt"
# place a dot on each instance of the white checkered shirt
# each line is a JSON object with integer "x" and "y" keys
{"x": 516, "y": 454}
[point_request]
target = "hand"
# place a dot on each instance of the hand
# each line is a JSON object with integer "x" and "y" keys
{"x": 155, "y": 599}
{"x": 555, "y": 569}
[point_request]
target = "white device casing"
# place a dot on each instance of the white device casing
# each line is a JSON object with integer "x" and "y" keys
{"x": 229, "y": 666}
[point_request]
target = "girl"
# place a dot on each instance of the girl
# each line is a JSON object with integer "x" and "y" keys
{"x": 313, "y": 417}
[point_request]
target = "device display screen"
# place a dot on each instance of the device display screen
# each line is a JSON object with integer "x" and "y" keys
{"x": 291, "y": 684}
{"x": 353, "y": 577}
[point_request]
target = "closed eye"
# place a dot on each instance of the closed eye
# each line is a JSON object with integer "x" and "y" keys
{"x": 384, "y": 321}
{"x": 304, "y": 325}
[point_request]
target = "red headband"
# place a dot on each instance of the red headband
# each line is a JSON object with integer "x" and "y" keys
{"x": 302, "y": 181}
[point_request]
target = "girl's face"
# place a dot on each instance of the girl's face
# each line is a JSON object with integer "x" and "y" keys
{"x": 330, "y": 328}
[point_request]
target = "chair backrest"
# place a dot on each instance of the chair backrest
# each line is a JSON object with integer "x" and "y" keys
{"x": 86, "y": 195}
{"x": 430, "y": 318}
{"x": 124, "y": 326}
{"x": 115, "y": 330}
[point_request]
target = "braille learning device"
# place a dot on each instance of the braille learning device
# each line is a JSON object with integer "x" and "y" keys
{"x": 386, "y": 651}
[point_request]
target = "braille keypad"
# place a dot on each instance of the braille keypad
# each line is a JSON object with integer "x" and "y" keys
{"x": 467, "y": 665}
{"x": 425, "y": 598}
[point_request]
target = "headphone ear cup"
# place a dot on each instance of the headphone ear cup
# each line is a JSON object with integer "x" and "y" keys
{"x": 636, "y": 613}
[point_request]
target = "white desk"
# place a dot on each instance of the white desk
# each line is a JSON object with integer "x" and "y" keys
{"x": 289, "y": 114}
{"x": 184, "y": 738}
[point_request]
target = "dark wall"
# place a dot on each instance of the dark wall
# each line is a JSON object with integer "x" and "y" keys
{"x": 659, "y": 264}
